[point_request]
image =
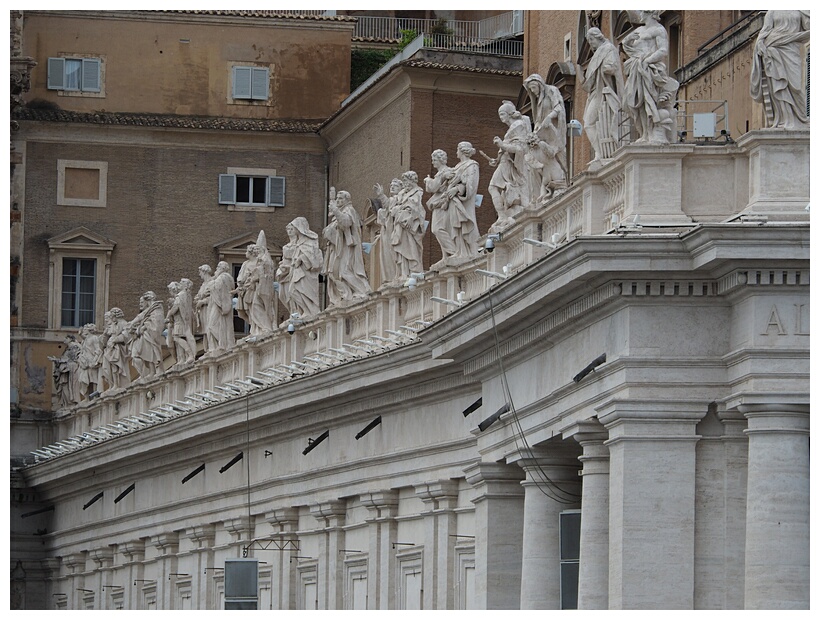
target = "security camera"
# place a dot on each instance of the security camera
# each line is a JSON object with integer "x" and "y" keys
{"x": 489, "y": 244}
{"x": 291, "y": 328}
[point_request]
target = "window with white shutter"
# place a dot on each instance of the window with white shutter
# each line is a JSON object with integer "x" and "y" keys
{"x": 75, "y": 75}
{"x": 251, "y": 189}
{"x": 250, "y": 83}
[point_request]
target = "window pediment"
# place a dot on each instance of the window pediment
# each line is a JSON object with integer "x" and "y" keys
{"x": 81, "y": 238}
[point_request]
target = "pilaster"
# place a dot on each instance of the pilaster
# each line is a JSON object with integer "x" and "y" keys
{"x": 331, "y": 517}
{"x": 381, "y": 583}
{"x": 134, "y": 553}
{"x": 440, "y": 499}
{"x": 167, "y": 545}
{"x": 285, "y": 522}
{"x": 778, "y": 507}
{"x": 499, "y": 529}
{"x": 652, "y": 502}
{"x": 203, "y": 538}
{"x": 103, "y": 559}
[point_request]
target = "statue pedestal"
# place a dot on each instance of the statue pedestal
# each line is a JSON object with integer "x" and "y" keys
{"x": 778, "y": 172}
{"x": 653, "y": 178}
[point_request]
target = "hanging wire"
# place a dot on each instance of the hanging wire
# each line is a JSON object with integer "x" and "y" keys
{"x": 546, "y": 483}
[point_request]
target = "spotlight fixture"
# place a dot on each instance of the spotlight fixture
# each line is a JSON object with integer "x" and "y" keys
{"x": 552, "y": 244}
{"x": 459, "y": 301}
{"x": 413, "y": 280}
{"x": 489, "y": 421}
{"x": 472, "y": 407}
{"x": 368, "y": 428}
{"x": 574, "y": 128}
{"x": 506, "y": 269}
{"x": 590, "y": 367}
{"x": 312, "y": 443}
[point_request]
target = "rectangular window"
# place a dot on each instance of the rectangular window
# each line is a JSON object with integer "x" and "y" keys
{"x": 570, "y": 540}
{"x": 75, "y": 74}
{"x": 78, "y": 291}
{"x": 251, "y": 190}
{"x": 250, "y": 83}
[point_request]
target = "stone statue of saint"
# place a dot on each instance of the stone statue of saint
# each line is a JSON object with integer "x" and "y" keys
{"x": 384, "y": 217}
{"x": 509, "y": 184}
{"x": 146, "y": 336}
{"x": 777, "y": 79}
{"x": 546, "y": 155}
{"x": 64, "y": 373}
{"x": 179, "y": 321}
{"x": 438, "y": 204}
{"x": 409, "y": 227}
{"x": 254, "y": 288}
{"x": 649, "y": 92}
{"x": 298, "y": 272}
{"x": 343, "y": 261}
{"x": 461, "y": 193}
{"x": 218, "y": 301}
{"x": 89, "y": 361}
{"x": 200, "y": 310}
{"x": 604, "y": 81}
{"x": 115, "y": 362}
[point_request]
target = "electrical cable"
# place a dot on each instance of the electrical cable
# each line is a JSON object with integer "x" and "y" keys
{"x": 519, "y": 431}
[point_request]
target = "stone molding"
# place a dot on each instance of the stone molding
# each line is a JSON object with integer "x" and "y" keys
{"x": 202, "y": 536}
{"x": 495, "y": 481}
{"x": 166, "y": 543}
{"x": 103, "y": 556}
{"x": 384, "y": 504}
{"x": 330, "y": 514}
{"x": 438, "y": 494}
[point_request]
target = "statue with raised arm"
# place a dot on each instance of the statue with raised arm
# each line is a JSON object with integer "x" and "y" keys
{"x": 649, "y": 92}
{"x": 179, "y": 321}
{"x": 219, "y": 317}
{"x": 343, "y": 261}
{"x": 509, "y": 184}
{"x": 115, "y": 366}
{"x": 604, "y": 81}
{"x": 89, "y": 361}
{"x": 546, "y": 155}
{"x": 777, "y": 79}
{"x": 409, "y": 228}
{"x": 298, "y": 272}
{"x": 64, "y": 373}
{"x": 384, "y": 217}
{"x": 146, "y": 336}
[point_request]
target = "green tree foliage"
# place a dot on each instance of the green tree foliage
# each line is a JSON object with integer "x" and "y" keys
{"x": 365, "y": 62}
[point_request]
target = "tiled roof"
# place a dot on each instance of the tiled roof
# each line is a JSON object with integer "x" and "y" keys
{"x": 167, "y": 120}
{"x": 426, "y": 64}
{"x": 283, "y": 14}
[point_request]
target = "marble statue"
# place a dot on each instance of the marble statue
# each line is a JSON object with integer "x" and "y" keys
{"x": 89, "y": 361}
{"x": 254, "y": 290}
{"x": 298, "y": 272}
{"x": 409, "y": 227}
{"x": 218, "y": 303}
{"x": 604, "y": 81}
{"x": 173, "y": 289}
{"x": 146, "y": 336}
{"x": 180, "y": 321}
{"x": 384, "y": 217}
{"x": 200, "y": 310}
{"x": 64, "y": 373}
{"x": 777, "y": 79}
{"x": 509, "y": 184}
{"x": 115, "y": 362}
{"x": 649, "y": 92}
{"x": 343, "y": 260}
{"x": 546, "y": 155}
{"x": 438, "y": 205}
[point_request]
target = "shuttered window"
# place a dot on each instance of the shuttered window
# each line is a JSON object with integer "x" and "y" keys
{"x": 74, "y": 74}
{"x": 250, "y": 83}
{"x": 238, "y": 189}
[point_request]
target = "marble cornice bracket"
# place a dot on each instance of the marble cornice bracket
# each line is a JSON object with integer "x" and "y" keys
{"x": 167, "y": 543}
{"x": 285, "y": 519}
{"x": 438, "y": 494}
{"x": 133, "y": 550}
{"x": 202, "y": 536}
{"x": 102, "y": 556}
{"x": 495, "y": 480}
{"x": 237, "y": 527}
{"x": 74, "y": 561}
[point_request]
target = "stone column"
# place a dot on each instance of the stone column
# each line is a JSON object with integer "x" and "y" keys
{"x": 383, "y": 529}
{"x": 499, "y": 529}
{"x": 593, "y": 569}
{"x": 134, "y": 552}
{"x": 103, "y": 559}
{"x": 285, "y": 523}
{"x": 777, "y": 506}
{"x": 203, "y": 537}
{"x": 551, "y": 486}
{"x": 440, "y": 498}
{"x": 167, "y": 545}
{"x": 331, "y": 516}
{"x": 651, "y": 502}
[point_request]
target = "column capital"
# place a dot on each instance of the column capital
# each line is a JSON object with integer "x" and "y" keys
{"x": 167, "y": 542}
{"x": 103, "y": 556}
{"x": 133, "y": 550}
{"x": 495, "y": 480}
{"x": 651, "y": 420}
{"x": 238, "y": 527}
{"x": 384, "y": 504}
{"x": 776, "y": 418}
{"x": 330, "y": 514}
{"x": 586, "y": 431}
{"x": 202, "y": 535}
{"x": 286, "y": 519}
{"x": 74, "y": 561}
{"x": 438, "y": 494}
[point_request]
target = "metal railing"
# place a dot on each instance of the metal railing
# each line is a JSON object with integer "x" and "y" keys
{"x": 477, "y": 45}
{"x": 506, "y": 25}
{"x": 510, "y": 24}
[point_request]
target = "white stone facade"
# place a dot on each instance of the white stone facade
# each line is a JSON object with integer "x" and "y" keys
{"x": 691, "y": 438}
